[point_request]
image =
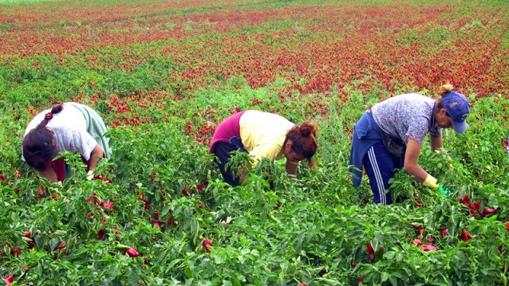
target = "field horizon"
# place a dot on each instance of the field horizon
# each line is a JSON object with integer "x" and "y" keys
{"x": 163, "y": 74}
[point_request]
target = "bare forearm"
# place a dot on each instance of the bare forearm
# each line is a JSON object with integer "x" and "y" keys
{"x": 411, "y": 158}
{"x": 49, "y": 174}
{"x": 416, "y": 171}
{"x": 94, "y": 157}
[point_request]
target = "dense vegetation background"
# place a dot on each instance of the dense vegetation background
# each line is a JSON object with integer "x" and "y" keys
{"x": 163, "y": 73}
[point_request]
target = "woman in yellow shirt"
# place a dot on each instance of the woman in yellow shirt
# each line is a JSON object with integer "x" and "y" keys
{"x": 263, "y": 135}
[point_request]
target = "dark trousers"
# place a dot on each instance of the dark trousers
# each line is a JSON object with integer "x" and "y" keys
{"x": 223, "y": 152}
{"x": 380, "y": 166}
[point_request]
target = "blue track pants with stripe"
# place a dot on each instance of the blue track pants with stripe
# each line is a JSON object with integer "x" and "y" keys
{"x": 380, "y": 166}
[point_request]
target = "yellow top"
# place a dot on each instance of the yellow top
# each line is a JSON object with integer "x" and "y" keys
{"x": 263, "y": 134}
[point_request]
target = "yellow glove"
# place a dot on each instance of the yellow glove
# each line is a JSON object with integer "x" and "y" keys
{"x": 430, "y": 182}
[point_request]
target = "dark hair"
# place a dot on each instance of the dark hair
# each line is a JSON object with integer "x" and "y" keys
{"x": 38, "y": 147}
{"x": 303, "y": 138}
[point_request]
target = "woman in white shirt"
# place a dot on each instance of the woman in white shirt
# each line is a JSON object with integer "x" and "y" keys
{"x": 66, "y": 127}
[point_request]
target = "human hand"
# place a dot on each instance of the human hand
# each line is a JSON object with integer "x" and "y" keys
{"x": 430, "y": 182}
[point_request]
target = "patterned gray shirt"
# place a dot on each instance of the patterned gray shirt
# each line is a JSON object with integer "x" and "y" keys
{"x": 407, "y": 116}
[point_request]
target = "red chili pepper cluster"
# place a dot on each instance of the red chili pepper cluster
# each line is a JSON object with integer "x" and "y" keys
{"x": 424, "y": 246}
{"x": 475, "y": 207}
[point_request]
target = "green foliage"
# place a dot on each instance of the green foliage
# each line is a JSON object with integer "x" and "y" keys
{"x": 269, "y": 231}
{"x": 162, "y": 194}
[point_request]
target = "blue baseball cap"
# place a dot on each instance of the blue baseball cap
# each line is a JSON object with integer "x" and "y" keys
{"x": 457, "y": 108}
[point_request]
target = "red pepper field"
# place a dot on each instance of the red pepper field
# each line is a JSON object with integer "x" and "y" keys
{"x": 162, "y": 74}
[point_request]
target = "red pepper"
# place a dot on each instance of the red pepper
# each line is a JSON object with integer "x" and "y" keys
{"x": 132, "y": 252}
{"x": 428, "y": 247}
{"x": 488, "y": 211}
{"x": 443, "y": 232}
{"x": 465, "y": 235}
{"x": 207, "y": 244}
{"x": 101, "y": 233}
{"x": 9, "y": 279}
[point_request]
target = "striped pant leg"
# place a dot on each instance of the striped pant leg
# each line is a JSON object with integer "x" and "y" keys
{"x": 379, "y": 166}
